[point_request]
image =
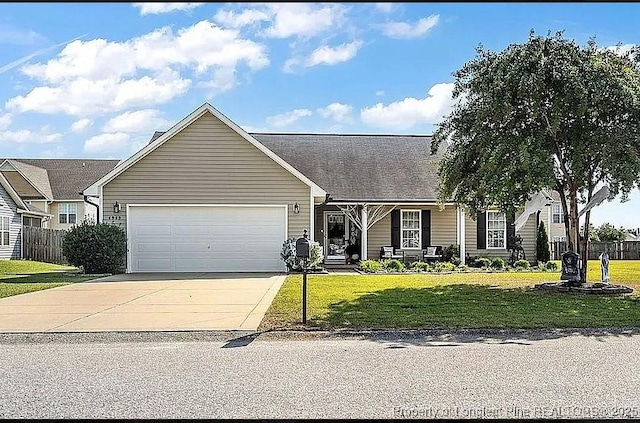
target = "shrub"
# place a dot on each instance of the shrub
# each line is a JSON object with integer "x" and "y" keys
{"x": 451, "y": 253}
{"x": 482, "y": 262}
{"x": 462, "y": 268}
{"x": 522, "y": 264}
{"x": 551, "y": 265}
{"x": 288, "y": 255}
{"x": 498, "y": 263}
{"x": 444, "y": 267}
{"x": 100, "y": 248}
{"x": 370, "y": 266}
{"x": 542, "y": 244}
{"x": 393, "y": 265}
{"x": 421, "y": 266}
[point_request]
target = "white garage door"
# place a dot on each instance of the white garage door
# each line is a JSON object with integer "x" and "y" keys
{"x": 206, "y": 238}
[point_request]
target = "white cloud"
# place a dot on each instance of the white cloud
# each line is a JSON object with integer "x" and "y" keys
{"x": 5, "y": 120}
{"x": 289, "y": 118}
{"x": 380, "y": 92}
{"x": 339, "y": 112}
{"x": 19, "y": 36}
{"x": 324, "y": 55}
{"x": 303, "y": 19}
{"x": 385, "y": 7}
{"x": 232, "y": 19}
{"x": 407, "y": 30}
{"x": 621, "y": 49}
{"x": 58, "y": 151}
{"x": 107, "y": 143}
{"x": 411, "y": 111}
{"x": 285, "y": 20}
{"x": 99, "y": 76}
{"x": 157, "y": 8}
{"x": 81, "y": 125}
{"x": 83, "y": 97}
{"x": 138, "y": 121}
{"x": 26, "y": 136}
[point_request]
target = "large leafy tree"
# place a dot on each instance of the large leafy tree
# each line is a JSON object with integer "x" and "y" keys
{"x": 608, "y": 233}
{"x": 548, "y": 113}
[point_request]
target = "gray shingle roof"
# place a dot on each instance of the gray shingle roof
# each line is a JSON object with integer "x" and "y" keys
{"x": 67, "y": 177}
{"x": 362, "y": 167}
{"x": 36, "y": 175}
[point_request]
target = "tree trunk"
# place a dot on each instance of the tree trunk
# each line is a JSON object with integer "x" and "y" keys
{"x": 585, "y": 245}
{"x": 573, "y": 237}
{"x": 565, "y": 211}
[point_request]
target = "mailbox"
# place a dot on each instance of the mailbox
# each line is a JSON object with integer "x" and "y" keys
{"x": 571, "y": 264}
{"x": 302, "y": 246}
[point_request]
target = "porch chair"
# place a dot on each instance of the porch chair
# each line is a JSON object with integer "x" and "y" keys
{"x": 391, "y": 253}
{"x": 432, "y": 253}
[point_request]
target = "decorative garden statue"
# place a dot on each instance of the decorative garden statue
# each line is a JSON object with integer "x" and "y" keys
{"x": 571, "y": 269}
{"x": 604, "y": 266}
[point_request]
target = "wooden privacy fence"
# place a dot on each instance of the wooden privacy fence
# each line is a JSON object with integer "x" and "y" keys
{"x": 43, "y": 244}
{"x": 621, "y": 250}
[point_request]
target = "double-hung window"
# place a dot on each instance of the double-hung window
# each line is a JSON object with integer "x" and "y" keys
{"x": 410, "y": 232}
{"x": 496, "y": 229}
{"x": 4, "y": 231}
{"x": 558, "y": 216}
{"x": 67, "y": 212}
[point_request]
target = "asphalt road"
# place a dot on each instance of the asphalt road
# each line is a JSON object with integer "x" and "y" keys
{"x": 391, "y": 376}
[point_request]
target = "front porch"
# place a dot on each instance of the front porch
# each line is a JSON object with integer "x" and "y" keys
{"x": 352, "y": 231}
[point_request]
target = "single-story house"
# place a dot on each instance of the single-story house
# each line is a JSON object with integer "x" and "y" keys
{"x": 208, "y": 196}
{"x": 44, "y": 193}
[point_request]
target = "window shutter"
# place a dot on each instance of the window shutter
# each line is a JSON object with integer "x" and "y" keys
{"x": 482, "y": 230}
{"x": 426, "y": 228}
{"x": 395, "y": 228}
{"x": 511, "y": 228}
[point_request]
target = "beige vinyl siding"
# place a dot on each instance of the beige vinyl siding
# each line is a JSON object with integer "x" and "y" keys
{"x": 208, "y": 163}
{"x": 379, "y": 236}
{"x": 527, "y": 232}
{"x": 54, "y": 210}
{"x": 444, "y": 226}
{"x": 555, "y": 229}
{"x": 20, "y": 185}
{"x": 8, "y": 208}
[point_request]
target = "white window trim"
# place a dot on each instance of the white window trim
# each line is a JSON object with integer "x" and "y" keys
{"x": 67, "y": 214}
{"x": 419, "y": 247}
{"x": 486, "y": 231}
{"x": 2, "y": 231}
{"x": 553, "y": 213}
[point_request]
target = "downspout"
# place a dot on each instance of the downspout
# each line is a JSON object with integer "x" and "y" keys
{"x": 97, "y": 206}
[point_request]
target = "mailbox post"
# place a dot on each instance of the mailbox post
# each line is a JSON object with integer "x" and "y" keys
{"x": 302, "y": 252}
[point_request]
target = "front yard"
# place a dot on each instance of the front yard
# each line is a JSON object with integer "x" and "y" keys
{"x": 461, "y": 300}
{"x": 22, "y": 276}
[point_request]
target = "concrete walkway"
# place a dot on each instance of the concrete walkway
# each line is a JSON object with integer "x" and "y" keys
{"x": 145, "y": 302}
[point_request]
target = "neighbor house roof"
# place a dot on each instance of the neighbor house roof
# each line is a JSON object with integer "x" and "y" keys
{"x": 36, "y": 176}
{"x": 64, "y": 178}
{"x": 362, "y": 167}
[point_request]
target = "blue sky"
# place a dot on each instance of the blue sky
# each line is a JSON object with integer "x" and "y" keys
{"x": 96, "y": 79}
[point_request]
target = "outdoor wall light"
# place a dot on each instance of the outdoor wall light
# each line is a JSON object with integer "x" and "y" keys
{"x": 296, "y": 208}
{"x": 116, "y": 207}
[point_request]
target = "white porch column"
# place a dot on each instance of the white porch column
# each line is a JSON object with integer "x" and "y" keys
{"x": 364, "y": 221}
{"x": 463, "y": 237}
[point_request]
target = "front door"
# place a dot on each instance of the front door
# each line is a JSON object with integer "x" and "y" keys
{"x": 335, "y": 229}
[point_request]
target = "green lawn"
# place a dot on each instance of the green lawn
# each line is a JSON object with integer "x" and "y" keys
{"x": 22, "y": 276}
{"x": 462, "y": 300}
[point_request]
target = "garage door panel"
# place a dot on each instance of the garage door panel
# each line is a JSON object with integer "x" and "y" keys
{"x": 154, "y": 265}
{"x": 144, "y": 247}
{"x": 203, "y": 238}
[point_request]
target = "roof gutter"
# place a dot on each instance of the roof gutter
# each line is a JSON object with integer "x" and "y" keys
{"x": 86, "y": 200}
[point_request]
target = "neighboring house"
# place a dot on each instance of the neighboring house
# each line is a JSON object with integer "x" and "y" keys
{"x": 208, "y": 196}
{"x": 44, "y": 193}
{"x": 553, "y": 219}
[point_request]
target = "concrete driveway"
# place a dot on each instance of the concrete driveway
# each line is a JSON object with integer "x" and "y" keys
{"x": 145, "y": 302}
